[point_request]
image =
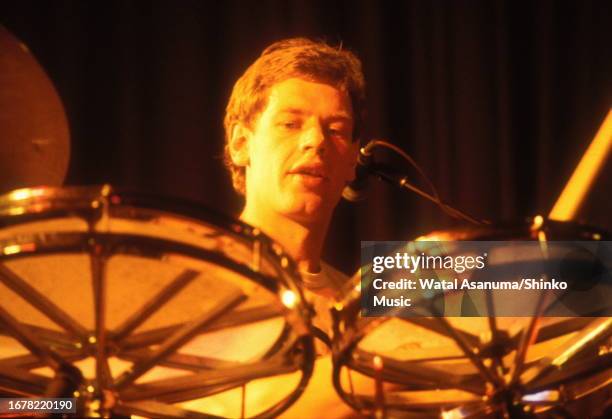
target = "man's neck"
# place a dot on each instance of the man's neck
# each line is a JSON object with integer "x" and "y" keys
{"x": 303, "y": 242}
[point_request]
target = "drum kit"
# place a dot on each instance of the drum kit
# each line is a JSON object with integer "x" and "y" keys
{"x": 140, "y": 306}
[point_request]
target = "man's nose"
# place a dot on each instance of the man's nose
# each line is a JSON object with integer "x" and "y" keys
{"x": 313, "y": 138}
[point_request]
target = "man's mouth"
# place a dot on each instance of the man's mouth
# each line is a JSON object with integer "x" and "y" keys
{"x": 309, "y": 171}
{"x": 310, "y": 175}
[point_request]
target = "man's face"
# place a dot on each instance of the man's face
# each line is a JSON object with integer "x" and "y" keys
{"x": 300, "y": 150}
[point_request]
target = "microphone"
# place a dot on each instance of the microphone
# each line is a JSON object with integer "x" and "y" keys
{"x": 355, "y": 191}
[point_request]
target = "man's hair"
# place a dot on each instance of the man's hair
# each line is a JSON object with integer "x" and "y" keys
{"x": 297, "y": 57}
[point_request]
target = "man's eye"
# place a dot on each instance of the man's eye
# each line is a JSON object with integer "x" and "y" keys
{"x": 290, "y": 124}
{"x": 338, "y": 131}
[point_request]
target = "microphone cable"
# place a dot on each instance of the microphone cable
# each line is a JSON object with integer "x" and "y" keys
{"x": 403, "y": 182}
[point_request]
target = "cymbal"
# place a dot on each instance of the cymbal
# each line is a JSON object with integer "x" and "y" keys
{"x": 34, "y": 134}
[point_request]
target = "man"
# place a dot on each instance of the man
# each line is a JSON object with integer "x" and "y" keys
{"x": 292, "y": 126}
{"x": 292, "y": 129}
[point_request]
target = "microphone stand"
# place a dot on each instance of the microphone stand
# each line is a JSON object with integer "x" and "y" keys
{"x": 400, "y": 180}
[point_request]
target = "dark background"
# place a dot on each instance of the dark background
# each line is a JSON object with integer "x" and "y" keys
{"x": 497, "y": 100}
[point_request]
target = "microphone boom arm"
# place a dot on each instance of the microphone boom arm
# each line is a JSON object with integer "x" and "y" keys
{"x": 366, "y": 166}
{"x": 400, "y": 180}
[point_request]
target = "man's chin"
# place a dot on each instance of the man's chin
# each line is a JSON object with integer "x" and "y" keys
{"x": 308, "y": 211}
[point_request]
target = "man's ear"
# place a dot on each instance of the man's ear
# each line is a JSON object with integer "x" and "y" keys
{"x": 239, "y": 145}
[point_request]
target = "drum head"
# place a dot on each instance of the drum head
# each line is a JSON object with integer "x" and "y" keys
{"x": 165, "y": 309}
{"x": 475, "y": 366}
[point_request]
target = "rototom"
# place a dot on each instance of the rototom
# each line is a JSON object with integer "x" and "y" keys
{"x": 463, "y": 367}
{"x": 165, "y": 308}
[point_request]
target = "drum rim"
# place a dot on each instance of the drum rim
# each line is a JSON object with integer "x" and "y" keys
{"x": 527, "y": 228}
{"x": 28, "y": 203}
